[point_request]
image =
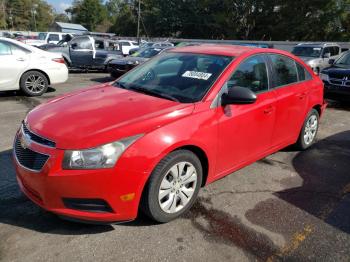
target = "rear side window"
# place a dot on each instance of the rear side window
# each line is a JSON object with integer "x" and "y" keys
{"x": 252, "y": 74}
{"x": 303, "y": 74}
{"x": 285, "y": 70}
{"x": 5, "y": 49}
{"x": 54, "y": 37}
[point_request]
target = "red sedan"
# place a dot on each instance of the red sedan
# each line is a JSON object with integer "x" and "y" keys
{"x": 168, "y": 127}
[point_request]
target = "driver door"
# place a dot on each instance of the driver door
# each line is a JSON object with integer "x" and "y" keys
{"x": 81, "y": 52}
{"x": 245, "y": 131}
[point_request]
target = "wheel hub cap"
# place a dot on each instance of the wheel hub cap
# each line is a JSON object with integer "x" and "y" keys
{"x": 177, "y": 187}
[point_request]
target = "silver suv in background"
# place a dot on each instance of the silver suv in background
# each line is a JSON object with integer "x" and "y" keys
{"x": 317, "y": 55}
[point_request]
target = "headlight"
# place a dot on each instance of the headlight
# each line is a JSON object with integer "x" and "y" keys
{"x": 324, "y": 77}
{"x": 104, "y": 156}
{"x": 132, "y": 62}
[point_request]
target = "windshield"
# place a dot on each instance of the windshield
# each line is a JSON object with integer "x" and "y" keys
{"x": 182, "y": 77}
{"x": 42, "y": 36}
{"x": 344, "y": 59}
{"x": 307, "y": 51}
{"x": 147, "y": 53}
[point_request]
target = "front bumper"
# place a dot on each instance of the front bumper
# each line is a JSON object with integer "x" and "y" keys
{"x": 49, "y": 187}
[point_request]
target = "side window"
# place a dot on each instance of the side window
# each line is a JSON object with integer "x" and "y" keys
{"x": 125, "y": 43}
{"x": 82, "y": 43}
{"x": 5, "y": 49}
{"x": 335, "y": 51}
{"x": 327, "y": 50}
{"x": 285, "y": 70}
{"x": 303, "y": 74}
{"x": 99, "y": 45}
{"x": 53, "y": 37}
{"x": 252, "y": 74}
{"x": 16, "y": 50}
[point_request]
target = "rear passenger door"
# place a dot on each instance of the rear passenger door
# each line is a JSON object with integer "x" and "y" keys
{"x": 290, "y": 82}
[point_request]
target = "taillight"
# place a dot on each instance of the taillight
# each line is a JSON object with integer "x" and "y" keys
{"x": 58, "y": 60}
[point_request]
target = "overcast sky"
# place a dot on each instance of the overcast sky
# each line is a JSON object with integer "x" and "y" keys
{"x": 60, "y": 5}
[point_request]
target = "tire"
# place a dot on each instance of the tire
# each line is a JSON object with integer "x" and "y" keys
{"x": 178, "y": 194}
{"x": 34, "y": 83}
{"x": 309, "y": 130}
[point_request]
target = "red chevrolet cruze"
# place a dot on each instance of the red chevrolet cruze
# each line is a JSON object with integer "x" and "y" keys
{"x": 151, "y": 139}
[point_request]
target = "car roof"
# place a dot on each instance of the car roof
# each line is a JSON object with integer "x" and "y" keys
{"x": 215, "y": 49}
{"x": 316, "y": 44}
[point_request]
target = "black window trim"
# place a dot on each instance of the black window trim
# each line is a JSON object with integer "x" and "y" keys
{"x": 274, "y": 86}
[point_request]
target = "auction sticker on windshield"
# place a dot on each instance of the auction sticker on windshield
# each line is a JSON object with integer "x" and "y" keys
{"x": 197, "y": 75}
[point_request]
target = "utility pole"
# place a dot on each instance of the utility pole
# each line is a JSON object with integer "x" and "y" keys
{"x": 33, "y": 14}
{"x": 11, "y": 19}
{"x": 4, "y": 12}
{"x": 138, "y": 22}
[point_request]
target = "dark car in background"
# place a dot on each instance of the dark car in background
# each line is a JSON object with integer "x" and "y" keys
{"x": 87, "y": 52}
{"x": 117, "y": 67}
{"x": 336, "y": 78}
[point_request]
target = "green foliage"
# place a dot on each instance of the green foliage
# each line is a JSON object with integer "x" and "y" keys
{"x": 89, "y": 13}
{"x": 22, "y": 13}
{"x": 294, "y": 20}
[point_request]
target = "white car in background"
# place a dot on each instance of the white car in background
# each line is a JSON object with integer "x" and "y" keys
{"x": 127, "y": 45}
{"x": 47, "y": 38}
{"x": 28, "y": 68}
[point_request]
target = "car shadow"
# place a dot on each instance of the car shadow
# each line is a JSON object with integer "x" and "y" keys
{"x": 324, "y": 192}
{"x": 103, "y": 79}
{"x": 18, "y": 210}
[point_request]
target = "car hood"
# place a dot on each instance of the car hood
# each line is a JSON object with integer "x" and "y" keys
{"x": 125, "y": 60}
{"x": 102, "y": 114}
{"x": 307, "y": 58}
{"x": 338, "y": 71}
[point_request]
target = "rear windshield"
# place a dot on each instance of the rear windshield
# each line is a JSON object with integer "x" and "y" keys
{"x": 182, "y": 77}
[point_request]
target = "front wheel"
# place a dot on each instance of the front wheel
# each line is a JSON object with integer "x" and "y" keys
{"x": 34, "y": 83}
{"x": 173, "y": 186}
{"x": 308, "y": 133}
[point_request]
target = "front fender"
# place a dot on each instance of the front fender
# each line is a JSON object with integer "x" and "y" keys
{"x": 198, "y": 129}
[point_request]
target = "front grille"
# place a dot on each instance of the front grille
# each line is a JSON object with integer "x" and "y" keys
{"x": 36, "y": 138}
{"x": 339, "y": 83}
{"x": 29, "y": 158}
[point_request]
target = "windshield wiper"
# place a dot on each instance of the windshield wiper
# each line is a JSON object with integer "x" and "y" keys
{"x": 153, "y": 93}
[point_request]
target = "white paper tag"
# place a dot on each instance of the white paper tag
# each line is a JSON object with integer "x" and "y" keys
{"x": 197, "y": 75}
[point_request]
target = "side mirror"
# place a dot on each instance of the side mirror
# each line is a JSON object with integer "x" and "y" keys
{"x": 238, "y": 95}
{"x": 74, "y": 45}
{"x": 331, "y": 61}
{"x": 327, "y": 55}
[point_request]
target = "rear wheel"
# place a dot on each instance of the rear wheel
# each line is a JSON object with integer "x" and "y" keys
{"x": 308, "y": 133}
{"x": 173, "y": 186}
{"x": 34, "y": 83}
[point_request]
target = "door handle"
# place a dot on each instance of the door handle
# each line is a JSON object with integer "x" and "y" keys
{"x": 20, "y": 59}
{"x": 268, "y": 110}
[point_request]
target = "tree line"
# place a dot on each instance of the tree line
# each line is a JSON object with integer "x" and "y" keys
{"x": 294, "y": 20}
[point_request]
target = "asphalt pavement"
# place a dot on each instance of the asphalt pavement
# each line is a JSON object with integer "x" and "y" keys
{"x": 290, "y": 206}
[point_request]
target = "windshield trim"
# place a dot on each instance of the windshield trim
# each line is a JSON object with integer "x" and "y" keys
{"x": 116, "y": 83}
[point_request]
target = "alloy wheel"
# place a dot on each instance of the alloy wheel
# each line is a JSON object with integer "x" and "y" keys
{"x": 35, "y": 83}
{"x": 310, "y": 129}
